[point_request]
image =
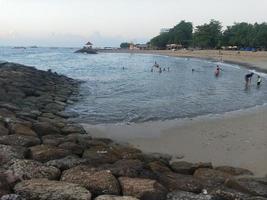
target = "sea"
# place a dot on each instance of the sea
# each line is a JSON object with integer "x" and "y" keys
{"x": 122, "y": 88}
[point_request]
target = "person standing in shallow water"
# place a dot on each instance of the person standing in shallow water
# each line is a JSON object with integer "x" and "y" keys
{"x": 248, "y": 78}
{"x": 259, "y": 81}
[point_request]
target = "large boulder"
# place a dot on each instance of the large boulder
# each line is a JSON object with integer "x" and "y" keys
{"x": 252, "y": 186}
{"x": 12, "y": 197}
{"x": 183, "y": 167}
{"x": 97, "y": 182}
{"x": 174, "y": 181}
{"x": 73, "y": 128}
{"x": 45, "y": 128}
{"x": 29, "y": 169}
{"x": 211, "y": 178}
{"x": 182, "y": 195}
{"x": 101, "y": 155}
{"x": 43, "y": 189}
{"x": 3, "y": 129}
{"x": 67, "y": 162}
{"x": 144, "y": 189}
{"x": 44, "y": 153}
{"x": 72, "y": 147}
{"x": 234, "y": 171}
{"x": 113, "y": 197}
{"x": 21, "y": 129}
{"x": 128, "y": 168}
{"x": 10, "y": 152}
{"x": 228, "y": 194}
{"x": 4, "y": 184}
{"x": 19, "y": 140}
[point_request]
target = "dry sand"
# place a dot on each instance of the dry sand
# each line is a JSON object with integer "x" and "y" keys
{"x": 237, "y": 138}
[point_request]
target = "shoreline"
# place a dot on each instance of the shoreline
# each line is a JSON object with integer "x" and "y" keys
{"x": 45, "y": 154}
{"x": 260, "y": 65}
{"x": 165, "y": 133}
{"x": 235, "y": 138}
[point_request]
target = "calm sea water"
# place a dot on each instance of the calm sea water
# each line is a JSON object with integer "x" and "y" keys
{"x": 135, "y": 94}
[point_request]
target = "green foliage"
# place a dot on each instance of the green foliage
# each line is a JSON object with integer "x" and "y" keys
{"x": 211, "y": 35}
{"x": 125, "y": 45}
{"x": 246, "y": 35}
{"x": 179, "y": 34}
{"x": 208, "y": 35}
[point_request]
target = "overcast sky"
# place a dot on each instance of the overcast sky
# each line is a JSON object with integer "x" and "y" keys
{"x": 109, "y": 22}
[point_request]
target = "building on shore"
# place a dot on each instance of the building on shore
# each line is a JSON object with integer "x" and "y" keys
{"x": 174, "y": 46}
{"x": 88, "y": 45}
{"x": 138, "y": 46}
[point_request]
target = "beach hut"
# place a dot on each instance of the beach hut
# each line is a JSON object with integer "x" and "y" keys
{"x": 88, "y": 45}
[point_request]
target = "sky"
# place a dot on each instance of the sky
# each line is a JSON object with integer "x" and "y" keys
{"x": 71, "y": 23}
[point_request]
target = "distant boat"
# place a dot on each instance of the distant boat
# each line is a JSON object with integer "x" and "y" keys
{"x": 19, "y": 47}
{"x": 33, "y": 46}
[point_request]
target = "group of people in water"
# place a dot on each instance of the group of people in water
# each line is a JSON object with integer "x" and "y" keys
{"x": 248, "y": 77}
{"x": 217, "y": 73}
{"x": 160, "y": 69}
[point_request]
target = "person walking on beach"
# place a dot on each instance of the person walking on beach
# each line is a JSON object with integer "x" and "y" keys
{"x": 259, "y": 81}
{"x": 248, "y": 78}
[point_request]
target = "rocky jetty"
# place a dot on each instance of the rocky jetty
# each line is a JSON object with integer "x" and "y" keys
{"x": 46, "y": 156}
{"x": 86, "y": 50}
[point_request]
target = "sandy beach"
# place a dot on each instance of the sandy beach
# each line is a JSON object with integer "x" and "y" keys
{"x": 237, "y": 138}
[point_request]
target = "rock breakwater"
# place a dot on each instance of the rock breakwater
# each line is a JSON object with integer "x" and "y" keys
{"x": 46, "y": 156}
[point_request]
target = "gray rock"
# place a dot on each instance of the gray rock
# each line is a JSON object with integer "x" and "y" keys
{"x": 12, "y": 197}
{"x": 144, "y": 189}
{"x": 128, "y": 168}
{"x": 45, "y": 128}
{"x": 234, "y": 171}
{"x": 29, "y": 169}
{"x": 67, "y": 162}
{"x": 252, "y": 186}
{"x": 72, "y": 147}
{"x": 19, "y": 140}
{"x": 113, "y": 197}
{"x": 3, "y": 129}
{"x": 43, "y": 189}
{"x": 97, "y": 182}
{"x": 10, "y": 152}
{"x": 44, "y": 153}
{"x": 181, "y": 195}
{"x": 174, "y": 181}
{"x": 211, "y": 178}
{"x": 183, "y": 167}
{"x": 21, "y": 129}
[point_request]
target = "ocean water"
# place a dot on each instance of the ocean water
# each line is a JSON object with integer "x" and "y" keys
{"x": 111, "y": 94}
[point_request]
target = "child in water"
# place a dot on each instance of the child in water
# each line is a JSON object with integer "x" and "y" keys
{"x": 259, "y": 81}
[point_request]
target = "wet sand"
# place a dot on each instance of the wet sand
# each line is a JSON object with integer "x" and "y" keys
{"x": 237, "y": 138}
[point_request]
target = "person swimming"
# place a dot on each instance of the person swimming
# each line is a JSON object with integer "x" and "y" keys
{"x": 160, "y": 70}
{"x": 248, "y": 78}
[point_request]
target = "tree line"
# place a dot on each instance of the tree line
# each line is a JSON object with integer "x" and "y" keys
{"x": 212, "y": 36}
